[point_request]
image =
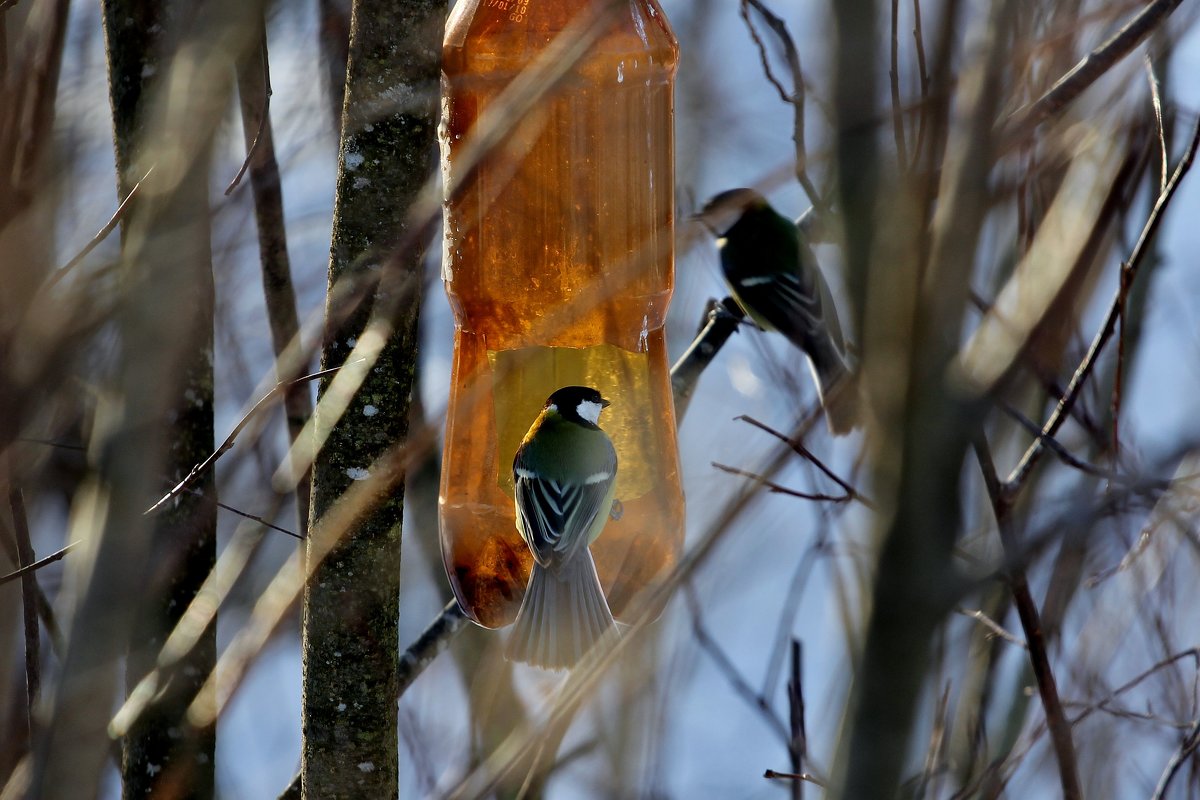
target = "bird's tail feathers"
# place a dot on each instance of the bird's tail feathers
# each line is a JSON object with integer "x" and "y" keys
{"x": 563, "y": 615}
{"x": 838, "y": 387}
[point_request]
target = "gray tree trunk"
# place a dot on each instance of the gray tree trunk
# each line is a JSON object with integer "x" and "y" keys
{"x": 351, "y": 603}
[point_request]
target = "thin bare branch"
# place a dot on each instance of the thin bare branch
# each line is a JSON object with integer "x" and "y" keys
{"x": 101, "y": 234}
{"x": 937, "y": 738}
{"x": 722, "y": 320}
{"x": 1024, "y": 121}
{"x": 1034, "y": 453}
{"x": 727, "y": 668}
{"x": 804, "y": 452}
{"x": 923, "y": 75}
{"x": 798, "y": 741}
{"x": 1192, "y": 653}
{"x": 1027, "y": 611}
{"x": 1056, "y": 446}
{"x": 432, "y": 642}
{"x": 265, "y": 402}
{"x": 29, "y": 603}
{"x": 254, "y": 91}
{"x": 264, "y": 115}
{"x": 50, "y": 559}
{"x": 1156, "y": 102}
{"x": 997, "y": 630}
{"x": 1178, "y": 759}
{"x": 776, "y": 488}
{"x": 894, "y": 75}
{"x": 807, "y": 777}
{"x": 795, "y": 97}
{"x": 257, "y": 519}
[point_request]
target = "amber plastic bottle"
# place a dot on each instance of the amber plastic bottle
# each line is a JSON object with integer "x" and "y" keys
{"x": 559, "y": 267}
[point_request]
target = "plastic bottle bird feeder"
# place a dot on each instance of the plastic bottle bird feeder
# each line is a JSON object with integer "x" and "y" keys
{"x": 559, "y": 267}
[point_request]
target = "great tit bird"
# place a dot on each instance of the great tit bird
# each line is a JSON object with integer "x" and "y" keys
{"x": 773, "y": 275}
{"x": 565, "y": 477}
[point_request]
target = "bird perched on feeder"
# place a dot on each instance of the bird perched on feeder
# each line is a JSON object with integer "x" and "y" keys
{"x": 564, "y": 475}
{"x": 773, "y": 275}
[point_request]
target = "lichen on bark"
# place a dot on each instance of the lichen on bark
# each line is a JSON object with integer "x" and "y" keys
{"x": 351, "y": 603}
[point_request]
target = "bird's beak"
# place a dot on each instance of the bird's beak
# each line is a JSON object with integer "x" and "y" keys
{"x": 604, "y": 403}
{"x": 704, "y": 220}
{"x": 720, "y": 215}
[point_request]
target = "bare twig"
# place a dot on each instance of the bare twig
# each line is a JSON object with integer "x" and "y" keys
{"x": 264, "y": 115}
{"x": 29, "y": 603}
{"x": 256, "y": 518}
{"x": 25, "y": 570}
{"x": 997, "y": 630}
{"x": 730, "y": 671}
{"x": 1060, "y": 729}
{"x": 1056, "y": 446}
{"x": 1047, "y": 381}
{"x": 1145, "y": 536}
{"x": 265, "y": 402}
{"x": 1125, "y": 282}
{"x": 1178, "y": 759}
{"x": 101, "y": 235}
{"x": 923, "y": 74}
{"x": 795, "y": 97}
{"x": 894, "y": 75}
{"x": 780, "y": 648}
{"x": 254, "y": 90}
{"x": 432, "y": 641}
{"x": 937, "y": 738}
{"x": 1164, "y": 166}
{"x": 723, "y": 319}
{"x": 802, "y": 451}
{"x": 1000, "y": 765}
{"x": 776, "y": 488}
{"x": 792, "y": 776}
{"x": 798, "y": 743}
{"x": 1192, "y": 653}
{"x": 1024, "y": 121}
{"x": 1033, "y": 454}
{"x": 44, "y": 608}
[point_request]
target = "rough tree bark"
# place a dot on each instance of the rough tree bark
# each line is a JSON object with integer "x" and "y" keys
{"x": 351, "y": 603}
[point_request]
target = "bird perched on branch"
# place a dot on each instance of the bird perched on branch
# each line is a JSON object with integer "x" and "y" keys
{"x": 565, "y": 477}
{"x": 773, "y": 275}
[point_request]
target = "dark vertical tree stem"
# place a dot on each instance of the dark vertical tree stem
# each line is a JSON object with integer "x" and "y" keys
{"x": 254, "y": 89}
{"x": 29, "y": 603}
{"x": 156, "y": 758}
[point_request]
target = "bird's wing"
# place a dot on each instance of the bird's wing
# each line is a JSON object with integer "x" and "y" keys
{"x": 784, "y": 302}
{"x": 554, "y": 517}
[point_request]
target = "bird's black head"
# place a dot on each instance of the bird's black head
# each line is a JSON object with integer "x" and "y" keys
{"x": 724, "y": 210}
{"x": 581, "y": 404}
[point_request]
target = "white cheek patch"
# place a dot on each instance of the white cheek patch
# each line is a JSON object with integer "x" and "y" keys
{"x": 525, "y": 473}
{"x": 590, "y": 411}
{"x": 596, "y": 477}
{"x": 758, "y": 281}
